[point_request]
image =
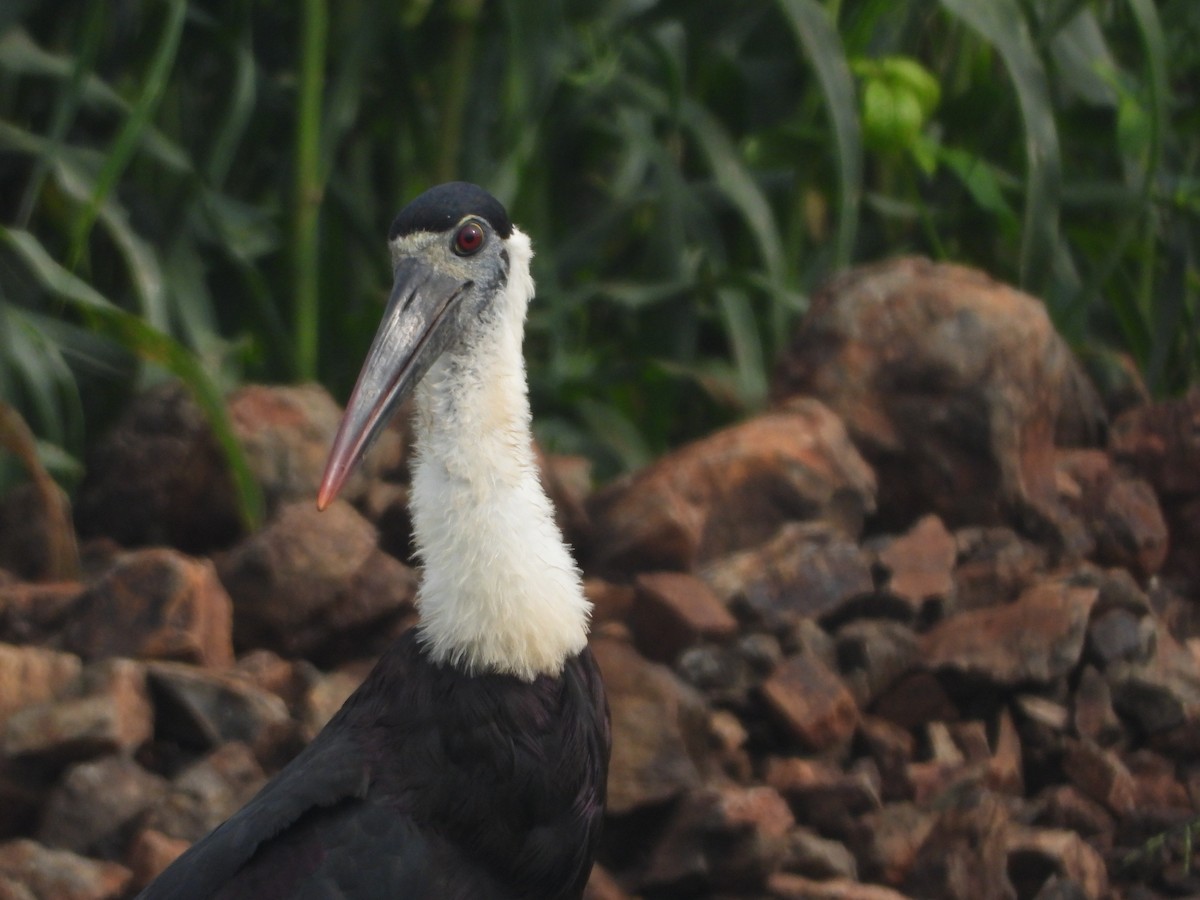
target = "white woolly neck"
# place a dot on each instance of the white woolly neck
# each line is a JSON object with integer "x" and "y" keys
{"x": 500, "y": 591}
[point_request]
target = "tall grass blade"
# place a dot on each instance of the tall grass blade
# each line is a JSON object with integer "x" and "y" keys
{"x": 131, "y": 332}
{"x": 309, "y": 188}
{"x": 1003, "y": 25}
{"x": 140, "y": 114}
{"x": 816, "y": 33}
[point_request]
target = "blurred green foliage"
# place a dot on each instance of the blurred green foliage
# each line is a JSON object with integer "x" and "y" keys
{"x": 202, "y": 187}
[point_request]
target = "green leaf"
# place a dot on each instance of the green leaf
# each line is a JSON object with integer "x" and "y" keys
{"x": 153, "y": 346}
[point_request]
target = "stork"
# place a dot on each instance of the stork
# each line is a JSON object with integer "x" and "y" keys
{"x": 472, "y": 762}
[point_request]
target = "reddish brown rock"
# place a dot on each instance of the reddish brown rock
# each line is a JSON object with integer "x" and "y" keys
{"x": 1162, "y": 696}
{"x": 202, "y": 710}
{"x": 788, "y": 886}
{"x": 821, "y": 795}
{"x": 659, "y": 728}
{"x": 108, "y": 711}
{"x": 731, "y": 491}
{"x": 159, "y": 477}
{"x": 1036, "y": 639}
{"x": 314, "y": 583}
{"x": 673, "y": 611}
{"x": 723, "y": 838}
{"x": 893, "y": 837}
{"x": 286, "y": 431}
{"x": 1158, "y": 441}
{"x": 207, "y": 793}
{"x": 36, "y": 613}
{"x": 150, "y": 852}
{"x": 1100, "y": 775}
{"x": 93, "y": 807}
{"x": 914, "y": 699}
{"x": 965, "y": 854}
{"x": 891, "y": 747}
{"x": 1036, "y": 855}
{"x": 155, "y": 604}
{"x": 1064, "y": 806}
{"x": 811, "y": 702}
{"x": 30, "y": 675}
{"x": 872, "y": 654}
{"x": 807, "y": 570}
{"x": 610, "y": 602}
{"x": 1093, "y": 714}
{"x": 994, "y": 567}
{"x": 37, "y": 537}
{"x": 809, "y": 854}
{"x": 919, "y": 567}
{"x": 60, "y": 874}
{"x": 1005, "y": 768}
{"x": 950, "y": 383}
{"x": 1120, "y": 512}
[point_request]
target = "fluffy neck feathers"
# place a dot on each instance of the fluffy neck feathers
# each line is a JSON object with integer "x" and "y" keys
{"x": 500, "y": 591}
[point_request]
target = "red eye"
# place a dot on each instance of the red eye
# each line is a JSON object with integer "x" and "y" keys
{"x": 469, "y": 239}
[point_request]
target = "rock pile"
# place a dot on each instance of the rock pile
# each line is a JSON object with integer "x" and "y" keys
{"x": 927, "y": 628}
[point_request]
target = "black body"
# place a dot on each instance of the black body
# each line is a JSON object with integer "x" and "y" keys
{"x": 428, "y": 783}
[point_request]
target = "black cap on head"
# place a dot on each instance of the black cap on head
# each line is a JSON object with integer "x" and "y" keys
{"x": 441, "y": 208}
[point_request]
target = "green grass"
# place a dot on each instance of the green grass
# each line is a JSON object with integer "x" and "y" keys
{"x": 223, "y": 172}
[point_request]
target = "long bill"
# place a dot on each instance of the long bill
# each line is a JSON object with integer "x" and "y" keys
{"x": 417, "y": 327}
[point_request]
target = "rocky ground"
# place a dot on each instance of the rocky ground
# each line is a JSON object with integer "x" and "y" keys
{"x": 928, "y": 628}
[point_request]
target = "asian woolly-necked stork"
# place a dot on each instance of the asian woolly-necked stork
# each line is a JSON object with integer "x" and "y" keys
{"x": 472, "y": 762}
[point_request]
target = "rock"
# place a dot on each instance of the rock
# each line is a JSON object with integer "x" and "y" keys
{"x": 159, "y": 477}
{"x": 36, "y": 613}
{"x": 1005, "y": 767}
{"x": 805, "y": 570}
{"x": 1161, "y": 696}
{"x": 93, "y": 808}
{"x": 965, "y": 855}
{"x": 1093, "y": 715}
{"x": 809, "y": 854}
{"x": 891, "y": 840}
{"x": 730, "y": 491}
{"x": 1100, "y": 775}
{"x": 59, "y": 874}
{"x": 1036, "y": 639}
{"x": 891, "y": 748}
{"x": 919, "y": 568}
{"x": 37, "y": 537}
{"x": 950, "y": 383}
{"x": 325, "y": 697}
{"x": 1118, "y": 635}
{"x": 1159, "y": 793}
{"x": 723, "y": 838}
{"x": 1158, "y": 442}
{"x": 821, "y": 795}
{"x": 201, "y": 710}
{"x": 787, "y": 886}
{"x": 286, "y": 432}
{"x": 872, "y": 654}
{"x": 673, "y": 611}
{"x": 1036, "y": 855}
{"x": 914, "y": 699}
{"x": 109, "y": 712}
{"x": 728, "y": 739}
{"x": 994, "y": 567}
{"x": 610, "y": 602}
{"x": 310, "y": 583}
{"x": 568, "y": 482}
{"x": 811, "y": 702}
{"x": 155, "y": 604}
{"x": 659, "y": 728}
{"x": 207, "y": 793}
{"x": 30, "y": 675}
{"x": 150, "y": 852}
{"x": 1120, "y": 512}
{"x": 1064, "y": 806}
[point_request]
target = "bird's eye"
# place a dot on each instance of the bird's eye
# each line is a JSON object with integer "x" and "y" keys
{"x": 469, "y": 239}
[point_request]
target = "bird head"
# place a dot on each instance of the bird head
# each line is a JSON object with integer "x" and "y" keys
{"x": 450, "y": 261}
